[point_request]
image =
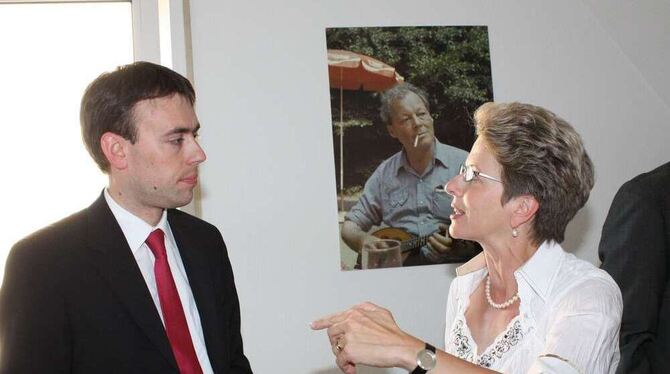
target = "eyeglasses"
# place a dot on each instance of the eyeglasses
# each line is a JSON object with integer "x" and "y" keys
{"x": 469, "y": 174}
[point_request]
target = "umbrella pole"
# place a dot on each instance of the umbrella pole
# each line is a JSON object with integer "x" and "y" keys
{"x": 341, "y": 147}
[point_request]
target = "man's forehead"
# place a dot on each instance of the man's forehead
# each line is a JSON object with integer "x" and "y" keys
{"x": 155, "y": 102}
{"x": 408, "y": 102}
{"x": 172, "y": 113}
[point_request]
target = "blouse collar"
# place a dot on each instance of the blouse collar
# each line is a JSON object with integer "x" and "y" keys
{"x": 538, "y": 272}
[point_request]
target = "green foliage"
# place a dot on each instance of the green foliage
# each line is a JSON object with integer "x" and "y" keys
{"x": 451, "y": 63}
{"x": 353, "y": 122}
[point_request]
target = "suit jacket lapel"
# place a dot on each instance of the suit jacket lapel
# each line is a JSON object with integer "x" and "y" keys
{"x": 115, "y": 261}
{"x": 199, "y": 272}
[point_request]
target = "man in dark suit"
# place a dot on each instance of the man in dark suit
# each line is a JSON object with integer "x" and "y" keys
{"x": 129, "y": 284}
{"x": 635, "y": 250}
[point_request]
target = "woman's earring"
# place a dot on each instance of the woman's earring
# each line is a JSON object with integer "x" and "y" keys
{"x": 515, "y": 233}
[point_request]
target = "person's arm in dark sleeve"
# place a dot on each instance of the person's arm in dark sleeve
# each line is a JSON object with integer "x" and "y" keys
{"x": 34, "y": 334}
{"x": 239, "y": 364}
{"x": 632, "y": 250}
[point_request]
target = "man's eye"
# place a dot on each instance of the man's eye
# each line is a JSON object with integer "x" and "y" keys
{"x": 177, "y": 141}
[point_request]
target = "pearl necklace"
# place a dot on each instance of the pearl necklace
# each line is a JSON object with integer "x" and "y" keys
{"x": 504, "y": 305}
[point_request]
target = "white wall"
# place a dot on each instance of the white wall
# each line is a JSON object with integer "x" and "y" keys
{"x": 269, "y": 184}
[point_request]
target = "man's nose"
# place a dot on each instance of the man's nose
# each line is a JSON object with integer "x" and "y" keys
{"x": 419, "y": 121}
{"x": 198, "y": 154}
{"x": 416, "y": 121}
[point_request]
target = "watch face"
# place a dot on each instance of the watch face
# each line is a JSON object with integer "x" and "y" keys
{"x": 426, "y": 359}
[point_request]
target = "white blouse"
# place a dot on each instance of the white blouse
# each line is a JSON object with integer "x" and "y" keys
{"x": 568, "y": 322}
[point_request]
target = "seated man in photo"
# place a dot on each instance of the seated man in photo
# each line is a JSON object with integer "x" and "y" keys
{"x": 405, "y": 191}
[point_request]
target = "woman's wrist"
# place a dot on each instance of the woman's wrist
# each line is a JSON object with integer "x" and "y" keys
{"x": 408, "y": 356}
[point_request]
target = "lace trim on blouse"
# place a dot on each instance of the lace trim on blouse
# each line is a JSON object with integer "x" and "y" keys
{"x": 465, "y": 346}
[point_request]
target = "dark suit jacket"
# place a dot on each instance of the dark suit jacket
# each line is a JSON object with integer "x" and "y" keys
{"x": 635, "y": 250}
{"x": 74, "y": 300}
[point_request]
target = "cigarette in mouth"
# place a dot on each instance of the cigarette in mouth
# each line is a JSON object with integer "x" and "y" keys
{"x": 416, "y": 140}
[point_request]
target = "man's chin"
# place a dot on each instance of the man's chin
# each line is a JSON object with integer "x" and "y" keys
{"x": 424, "y": 144}
{"x": 180, "y": 201}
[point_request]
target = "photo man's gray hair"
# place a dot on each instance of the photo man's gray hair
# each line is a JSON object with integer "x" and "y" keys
{"x": 398, "y": 92}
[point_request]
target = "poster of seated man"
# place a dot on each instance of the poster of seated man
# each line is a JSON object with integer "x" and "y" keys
{"x": 401, "y": 104}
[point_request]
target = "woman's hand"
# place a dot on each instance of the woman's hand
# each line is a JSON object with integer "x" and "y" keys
{"x": 367, "y": 334}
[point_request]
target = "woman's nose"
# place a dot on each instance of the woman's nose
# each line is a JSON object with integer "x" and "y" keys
{"x": 454, "y": 186}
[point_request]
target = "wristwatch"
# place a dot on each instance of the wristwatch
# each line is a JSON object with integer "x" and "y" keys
{"x": 425, "y": 360}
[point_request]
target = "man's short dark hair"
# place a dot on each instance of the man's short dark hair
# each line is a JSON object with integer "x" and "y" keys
{"x": 109, "y": 101}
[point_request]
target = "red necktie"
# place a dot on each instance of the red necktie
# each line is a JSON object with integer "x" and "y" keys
{"x": 173, "y": 313}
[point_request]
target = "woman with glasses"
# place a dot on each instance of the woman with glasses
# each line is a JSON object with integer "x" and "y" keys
{"x": 523, "y": 305}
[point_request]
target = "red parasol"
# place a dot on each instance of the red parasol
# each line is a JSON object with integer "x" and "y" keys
{"x": 353, "y": 71}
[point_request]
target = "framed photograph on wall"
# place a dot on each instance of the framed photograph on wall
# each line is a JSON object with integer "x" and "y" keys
{"x": 402, "y": 100}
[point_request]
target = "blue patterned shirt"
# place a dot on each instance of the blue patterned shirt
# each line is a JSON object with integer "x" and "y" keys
{"x": 396, "y": 196}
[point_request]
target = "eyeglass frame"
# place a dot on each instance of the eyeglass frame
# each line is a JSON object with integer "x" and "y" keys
{"x": 469, "y": 174}
{"x": 462, "y": 171}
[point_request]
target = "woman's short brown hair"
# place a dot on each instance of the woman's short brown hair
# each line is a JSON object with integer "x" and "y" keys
{"x": 541, "y": 155}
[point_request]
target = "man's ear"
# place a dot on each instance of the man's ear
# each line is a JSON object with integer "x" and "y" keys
{"x": 389, "y": 128}
{"x": 525, "y": 207}
{"x": 114, "y": 147}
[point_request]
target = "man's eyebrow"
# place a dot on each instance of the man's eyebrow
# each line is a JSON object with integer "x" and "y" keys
{"x": 184, "y": 130}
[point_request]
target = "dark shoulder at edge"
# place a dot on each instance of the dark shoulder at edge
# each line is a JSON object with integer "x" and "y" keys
{"x": 47, "y": 241}
{"x": 183, "y": 218}
{"x": 651, "y": 183}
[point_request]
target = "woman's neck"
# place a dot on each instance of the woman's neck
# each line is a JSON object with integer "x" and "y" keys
{"x": 503, "y": 260}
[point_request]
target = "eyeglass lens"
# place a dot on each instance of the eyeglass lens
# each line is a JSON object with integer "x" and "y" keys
{"x": 467, "y": 172}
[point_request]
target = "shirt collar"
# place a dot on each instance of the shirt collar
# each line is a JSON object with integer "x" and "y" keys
{"x": 538, "y": 272}
{"x": 135, "y": 229}
{"x": 442, "y": 154}
{"x": 438, "y": 154}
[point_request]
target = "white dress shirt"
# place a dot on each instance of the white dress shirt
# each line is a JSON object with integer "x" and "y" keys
{"x": 136, "y": 232}
{"x": 568, "y": 322}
